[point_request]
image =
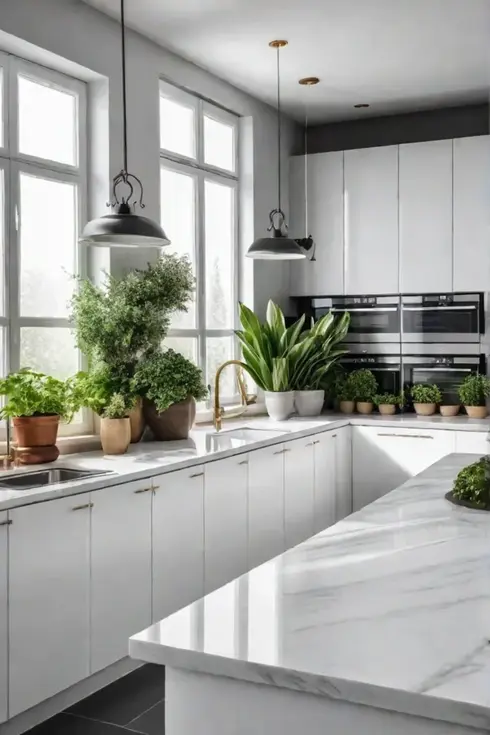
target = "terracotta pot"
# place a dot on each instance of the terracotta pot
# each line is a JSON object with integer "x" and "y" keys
{"x": 115, "y": 435}
{"x": 364, "y": 407}
{"x": 387, "y": 409}
{"x": 137, "y": 422}
{"x": 476, "y": 412}
{"x": 35, "y": 438}
{"x": 449, "y": 410}
{"x": 424, "y": 409}
{"x": 347, "y": 406}
{"x": 172, "y": 424}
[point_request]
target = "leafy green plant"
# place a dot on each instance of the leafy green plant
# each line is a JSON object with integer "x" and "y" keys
{"x": 426, "y": 393}
{"x": 388, "y": 399}
{"x": 167, "y": 377}
{"x": 30, "y": 393}
{"x": 344, "y": 387}
{"x": 473, "y": 483}
{"x": 474, "y": 390}
{"x": 364, "y": 385}
{"x": 98, "y": 388}
{"x": 117, "y": 408}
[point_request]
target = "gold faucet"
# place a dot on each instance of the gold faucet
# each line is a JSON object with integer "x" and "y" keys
{"x": 246, "y": 398}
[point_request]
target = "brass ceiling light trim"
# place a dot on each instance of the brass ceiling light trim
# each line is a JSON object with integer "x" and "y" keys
{"x": 278, "y": 44}
{"x": 309, "y": 81}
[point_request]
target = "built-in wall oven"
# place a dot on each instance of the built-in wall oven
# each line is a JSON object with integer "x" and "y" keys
{"x": 372, "y": 318}
{"x": 386, "y": 369}
{"x": 453, "y": 317}
{"x": 447, "y": 371}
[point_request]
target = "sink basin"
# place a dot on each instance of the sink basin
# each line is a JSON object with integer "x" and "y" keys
{"x": 228, "y": 439}
{"x": 39, "y": 478}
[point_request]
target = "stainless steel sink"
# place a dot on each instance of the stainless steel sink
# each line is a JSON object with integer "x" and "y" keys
{"x": 39, "y": 478}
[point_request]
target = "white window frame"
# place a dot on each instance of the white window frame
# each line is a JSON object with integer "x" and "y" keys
{"x": 202, "y": 172}
{"x": 13, "y": 163}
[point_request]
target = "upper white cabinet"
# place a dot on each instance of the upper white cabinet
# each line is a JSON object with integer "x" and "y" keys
{"x": 325, "y": 223}
{"x": 471, "y": 202}
{"x": 3, "y": 617}
{"x": 178, "y": 540}
{"x": 325, "y": 479}
{"x": 49, "y": 559}
{"x": 371, "y": 220}
{"x": 426, "y": 209}
{"x": 120, "y": 580}
{"x": 299, "y": 492}
{"x": 265, "y": 505}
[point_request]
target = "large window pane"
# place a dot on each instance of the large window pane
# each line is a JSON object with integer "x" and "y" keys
{"x": 177, "y": 128}
{"x": 219, "y": 226}
{"x": 185, "y": 345}
{"x": 49, "y": 350}
{"x": 219, "y": 144}
{"x": 218, "y": 351}
{"x": 48, "y": 236}
{"x": 178, "y": 219}
{"x": 47, "y": 122}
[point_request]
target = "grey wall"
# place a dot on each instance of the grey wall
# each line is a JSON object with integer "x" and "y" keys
{"x": 450, "y": 122}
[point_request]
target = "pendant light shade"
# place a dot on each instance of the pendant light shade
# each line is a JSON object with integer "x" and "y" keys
{"x": 123, "y": 228}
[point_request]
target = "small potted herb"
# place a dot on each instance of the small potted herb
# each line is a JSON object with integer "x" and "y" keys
{"x": 473, "y": 393}
{"x": 364, "y": 386}
{"x": 472, "y": 485}
{"x": 115, "y": 426}
{"x": 425, "y": 398}
{"x": 387, "y": 403}
{"x": 344, "y": 391}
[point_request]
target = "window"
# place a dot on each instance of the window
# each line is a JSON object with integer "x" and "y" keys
{"x": 42, "y": 195}
{"x": 199, "y": 205}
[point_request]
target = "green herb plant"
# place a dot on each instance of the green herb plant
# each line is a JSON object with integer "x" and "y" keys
{"x": 364, "y": 385}
{"x": 426, "y": 393}
{"x": 30, "y": 393}
{"x": 344, "y": 387}
{"x": 117, "y": 408}
{"x": 167, "y": 377}
{"x": 474, "y": 390}
{"x": 96, "y": 390}
{"x": 388, "y": 399}
{"x": 473, "y": 483}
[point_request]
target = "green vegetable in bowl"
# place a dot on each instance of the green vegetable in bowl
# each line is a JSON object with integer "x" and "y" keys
{"x": 473, "y": 483}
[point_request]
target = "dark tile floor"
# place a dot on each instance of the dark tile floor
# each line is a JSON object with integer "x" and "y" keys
{"x": 133, "y": 704}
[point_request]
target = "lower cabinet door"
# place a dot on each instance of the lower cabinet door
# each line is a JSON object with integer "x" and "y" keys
{"x": 120, "y": 582}
{"x": 299, "y": 478}
{"x": 225, "y": 521}
{"x": 265, "y": 505}
{"x": 49, "y": 568}
{"x": 324, "y": 513}
{"x": 343, "y": 464}
{"x": 178, "y": 540}
{"x": 473, "y": 442}
{"x": 3, "y": 617}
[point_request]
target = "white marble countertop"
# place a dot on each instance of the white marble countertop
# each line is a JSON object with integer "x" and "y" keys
{"x": 389, "y": 608}
{"x": 149, "y": 459}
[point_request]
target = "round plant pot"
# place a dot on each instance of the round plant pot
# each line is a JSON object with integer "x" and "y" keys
{"x": 449, "y": 410}
{"x": 424, "y": 409}
{"x": 172, "y": 424}
{"x": 279, "y": 405}
{"x": 35, "y": 438}
{"x": 476, "y": 412}
{"x": 364, "y": 407}
{"x": 115, "y": 435}
{"x": 309, "y": 402}
{"x": 387, "y": 409}
{"x": 137, "y": 422}
{"x": 347, "y": 406}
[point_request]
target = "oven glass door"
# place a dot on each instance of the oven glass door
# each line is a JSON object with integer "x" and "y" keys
{"x": 373, "y": 323}
{"x": 388, "y": 377}
{"x": 447, "y": 378}
{"x": 435, "y": 323}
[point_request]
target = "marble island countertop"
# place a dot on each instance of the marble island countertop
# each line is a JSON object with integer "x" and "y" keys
{"x": 149, "y": 459}
{"x": 388, "y": 608}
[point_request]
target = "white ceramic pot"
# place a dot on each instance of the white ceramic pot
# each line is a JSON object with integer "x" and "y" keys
{"x": 309, "y": 402}
{"x": 279, "y": 406}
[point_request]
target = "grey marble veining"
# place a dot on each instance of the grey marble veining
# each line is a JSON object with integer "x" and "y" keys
{"x": 390, "y": 607}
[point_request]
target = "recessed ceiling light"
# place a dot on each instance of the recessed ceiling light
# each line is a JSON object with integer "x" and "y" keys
{"x": 362, "y": 104}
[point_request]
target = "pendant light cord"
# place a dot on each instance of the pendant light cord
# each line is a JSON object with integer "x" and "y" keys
{"x": 306, "y": 169}
{"x": 123, "y": 66}
{"x": 279, "y": 130}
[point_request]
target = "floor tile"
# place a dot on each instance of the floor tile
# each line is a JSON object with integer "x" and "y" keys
{"x": 151, "y": 722}
{"x": 126, "y": 698}
{"x": 64, "y": 724}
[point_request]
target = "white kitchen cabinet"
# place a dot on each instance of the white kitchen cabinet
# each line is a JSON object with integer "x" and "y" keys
{"x": 299, "y": 493}
{"x": 3, "y": 617}
{"x": 325, "y": 480}
{"x": 343, "y": 466}
{"x": 120, "y": 580}
{"x": 325, "y": 223}
{"x": 178, "y": 540}
{"x": 49, "y": 569}
{"x": 384, "y": 458}
{"x": 471, "y": 206}
{"x": 473, "y": 442}
{"x": 426, "y": 217}
{"x": 225, "y": 521}
{"x": 265, "y": 504}
{"x": 371, "y": 220}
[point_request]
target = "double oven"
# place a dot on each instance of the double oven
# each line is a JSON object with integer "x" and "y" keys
{"x": 411, "y": 338}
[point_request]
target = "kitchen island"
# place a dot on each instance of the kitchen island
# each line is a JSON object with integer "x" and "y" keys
{"x": 379, "y": 624}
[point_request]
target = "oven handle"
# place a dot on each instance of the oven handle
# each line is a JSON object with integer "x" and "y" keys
{"x": 439, "y": 308}
{"x": 441, "y": 369}
{"x": 368, "y": 309}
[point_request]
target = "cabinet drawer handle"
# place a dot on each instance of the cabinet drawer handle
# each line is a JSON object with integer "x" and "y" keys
{"x": 6, "y": 523}
{"x": 334, "y": 436}
{"x": 83, "y": 507}
{"x": 144, "y": 490}
{"x": 285, "y": 450}
{"x": 318, "y": 440}
{"x": 281, "y": 451}
{"x": 197, "y": 474}
{"x": 245, "y": 461}
{"x": 408, "y": 436}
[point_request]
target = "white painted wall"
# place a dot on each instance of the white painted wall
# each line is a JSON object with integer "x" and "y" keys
{"x": 75, "y": 38}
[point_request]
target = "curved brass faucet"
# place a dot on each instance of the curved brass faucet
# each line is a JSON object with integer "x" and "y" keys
{"x": 247, "y": 399}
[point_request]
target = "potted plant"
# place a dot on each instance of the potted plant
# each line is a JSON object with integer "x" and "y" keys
{"x": 473, "y": 392}
{"x": 115, "y": 427}
{"x": 344, "y": 391}
{"x": 448, "y": 407}
{"x": 364, "y": 386}
{"x": 425, "y": 398}
{"x": 387, "y": 403}
{"x": 36, "y": 403}
{"x": 170, "y": 385}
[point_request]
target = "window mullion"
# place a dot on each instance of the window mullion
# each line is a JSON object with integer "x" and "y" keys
{"x": 201, "y": 273}
{"x": 13, "y": 269}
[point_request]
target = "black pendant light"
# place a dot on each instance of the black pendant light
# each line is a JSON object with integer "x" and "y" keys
{"x": 278, "y": 246}
{"x": 123, "y": 228}
{"x": 307, "y": 243}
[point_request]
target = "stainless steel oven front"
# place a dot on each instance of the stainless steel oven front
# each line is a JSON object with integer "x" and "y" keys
{"x": 372, "y": 318}
{"x": 385, "y": 367}
{"x": 447, "y": 371}
{"x": 452, "y": 317}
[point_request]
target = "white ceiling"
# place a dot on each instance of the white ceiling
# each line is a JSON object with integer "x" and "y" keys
{"x": 396, "y": 55}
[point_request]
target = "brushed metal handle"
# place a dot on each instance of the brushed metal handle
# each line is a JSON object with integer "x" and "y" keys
{"x": 334, "y": 436}
{"x": 144, "y": 490}
{"x": 6, "y": 523}
{"x": 310, "y": 444}
{"x": 408, "y": 436}
{"x": 83, "y": 507}
{"x": 197, "y": 474}
{"x": 285, "y": 450}
{"x": 281, "y": 451}
{"x": 318, "y": 440}
{"x": 245, "y": 461}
